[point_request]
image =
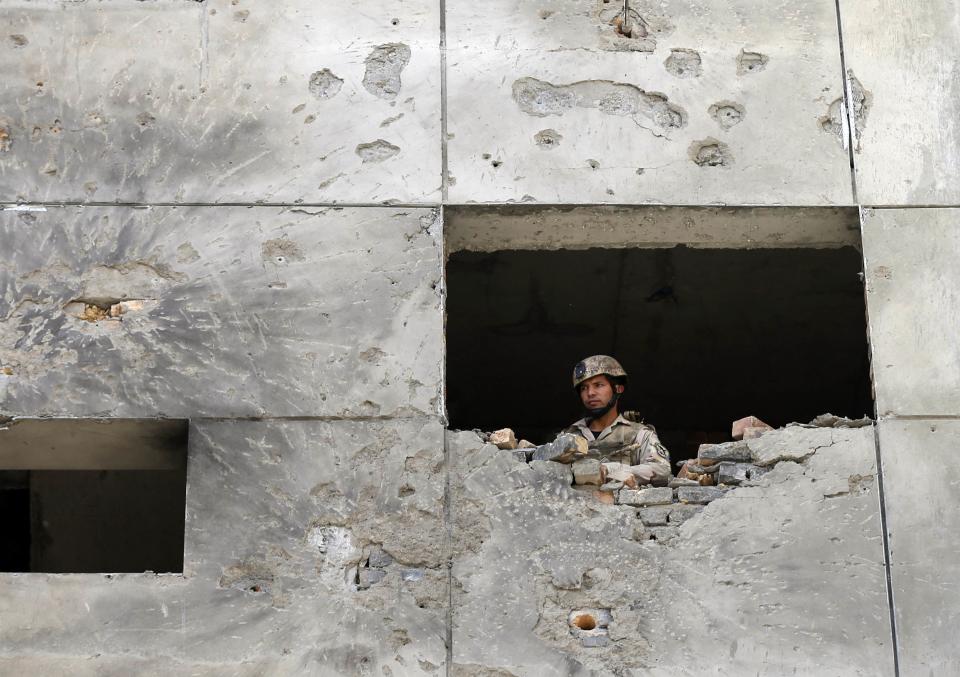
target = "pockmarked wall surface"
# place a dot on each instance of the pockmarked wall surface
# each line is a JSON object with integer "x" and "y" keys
{"x": 234, "y": 212}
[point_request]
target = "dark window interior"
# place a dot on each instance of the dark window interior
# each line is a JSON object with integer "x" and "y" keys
{"x": 707, "y": 336}
{"x": 102, "y": 497}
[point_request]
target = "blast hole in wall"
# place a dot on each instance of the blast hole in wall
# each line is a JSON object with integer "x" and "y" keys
{"x": 708, "y": 335}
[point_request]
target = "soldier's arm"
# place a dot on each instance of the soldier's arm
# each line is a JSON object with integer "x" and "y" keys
{"x": 651, "y": 460}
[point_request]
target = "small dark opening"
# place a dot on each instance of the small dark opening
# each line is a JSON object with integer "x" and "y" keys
{"x": 707, "y": 335}
{"x": 101, "y": 496}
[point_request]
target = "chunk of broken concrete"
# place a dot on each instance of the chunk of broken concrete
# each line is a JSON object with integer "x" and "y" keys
{"x": 699, "y": 494}
{"x": 682, "y": 482}
{"x": 681, "y": 512}
{"x": 754, "y": 432}
{"x": 367, "y": 577}
{"x": 379, "y": 558}
{"x": 727, "y": 451}
{"x": 793, "y": 443}
{"x": 565, "y": 449}
{"x": 644, "y": 497}
{"x": 587, "y": 471}
{"x": 503, "y": 439}
{"x": 655, "y": 516}
{"x": 618, "y": 472}
{"x": 747, "y": 422}
{"x": 733, "y": 473}
{"x": 526, "y": 444}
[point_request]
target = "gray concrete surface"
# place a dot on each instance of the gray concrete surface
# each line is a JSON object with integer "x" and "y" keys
{"x": 910, "y": 261}
{"x": 920, "y": 479}
{"x": 247, "y": 312}
{"x": 905, "y": 55}
{"x": 175, "y": 101}
{"x": 547, "y": 102}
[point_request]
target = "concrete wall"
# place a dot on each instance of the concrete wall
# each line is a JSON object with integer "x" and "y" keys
{"x": 266, "y": 181}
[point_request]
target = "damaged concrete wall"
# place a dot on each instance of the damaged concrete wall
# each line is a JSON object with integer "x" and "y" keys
{"x": 231, "y": 212}
{"x": 784, "y": 576}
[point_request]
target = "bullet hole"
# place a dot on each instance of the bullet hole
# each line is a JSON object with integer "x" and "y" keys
{"x": 6, "y": 141}
{"x": 19, "y": 40}
{"x": 727, "y": 113}
{"x": 640, "y": 171}
{"x": 56, "y": 127}
{"x": 593, "y": 164}
{"x": 710, "y": 153}
{"x": 547, "y": 139}
{"x": 684, "y": 63}
{"x": 496, "y": 163}
{"x": 36, "y": 133}
{"x": 93, "y": 119}
{"x": 383, "y": 67}
{"x": 324, "y": 84}
{"x": 751, "y": 62}
{"x": 27, "y": 217}
{"x": 242, "y": 15}
{"x": 49, "y": 169}
{"x": 298, "y": 108}
{"x": 861, "y": 100}
{"x": 406, "y": 490}
{"x": 546, "y": 13}
{"x": 610, "y": 191}
{"x": 90, "y": 187}
{"x": 540, "y": 99}
{"x": 394, "y": 21}
{"x": 376, "y": 151}
{"x": 585, "y": 622}
{"x": 280, "y": 251}
{"x": 145, "y": 119}
{"x": 309, "y": 119}
{"x": 486, "y": 156}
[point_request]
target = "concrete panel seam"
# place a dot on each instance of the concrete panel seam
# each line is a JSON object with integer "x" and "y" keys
{"x": 444, "y": 161}
{"x": 448, "y": 547}
{"x": 848, "y": 121}
{"x": 41, "y": 206}
{"x": 886, "y": 553}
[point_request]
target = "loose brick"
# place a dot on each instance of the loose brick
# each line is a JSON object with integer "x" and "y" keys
{"x": 699, "y": 494}
{"x": 649, "y": 496}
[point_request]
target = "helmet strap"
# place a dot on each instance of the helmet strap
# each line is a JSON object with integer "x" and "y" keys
{"x": 601, "y": 411}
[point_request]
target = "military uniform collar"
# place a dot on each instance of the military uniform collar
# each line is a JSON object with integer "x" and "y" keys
{"x": 584, "y": 427}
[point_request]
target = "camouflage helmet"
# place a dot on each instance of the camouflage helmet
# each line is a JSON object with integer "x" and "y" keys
{"x": 594, "y": 366}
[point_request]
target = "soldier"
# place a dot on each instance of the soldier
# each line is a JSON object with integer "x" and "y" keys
{"x": 612, "y": 436}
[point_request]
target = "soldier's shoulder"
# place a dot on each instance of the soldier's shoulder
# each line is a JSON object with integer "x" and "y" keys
{"x": 636, "y": 421}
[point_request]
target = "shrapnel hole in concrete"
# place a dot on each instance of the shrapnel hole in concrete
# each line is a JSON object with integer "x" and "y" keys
{"x": 93, "y": 496}
{"x": 707, "y": 335}
{"x": 585, "y": 622}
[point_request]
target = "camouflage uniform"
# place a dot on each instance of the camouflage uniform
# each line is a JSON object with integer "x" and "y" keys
{"x": 626, "y": 442}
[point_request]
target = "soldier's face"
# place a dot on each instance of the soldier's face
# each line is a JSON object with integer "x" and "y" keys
{"x": 596, "y": 391}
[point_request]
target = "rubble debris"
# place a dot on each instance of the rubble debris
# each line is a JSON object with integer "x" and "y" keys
{"x": 733, "y": 473}
{"x": 565, "y": 449}
{"x": 655, "y": 516}
{"x": 324, "y": 84}
{"x": 588, "y": 471}
{"x": 682, "y": 482}
{"x": 525, "y": 444}
{"x": 699, "y": 494}
{"x": 648, "y": 496}
{"x": 740, "y": 425}
{"x": 503, "y": 439}
{"x": 618, "y": 472}
{"x": 754, "y": 432}
{"x": 727, "y": 451}
{"x": 832, "y": 421}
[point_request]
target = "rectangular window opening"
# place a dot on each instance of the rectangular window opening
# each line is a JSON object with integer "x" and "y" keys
{"x": 715, "y": 313}
{"x": 93, "y": 496}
